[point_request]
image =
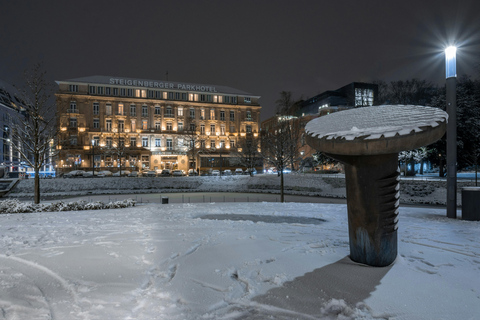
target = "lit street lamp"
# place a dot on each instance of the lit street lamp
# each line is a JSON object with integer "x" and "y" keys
{"x": 451, "y": 76}
{"x": 93, "y": 157}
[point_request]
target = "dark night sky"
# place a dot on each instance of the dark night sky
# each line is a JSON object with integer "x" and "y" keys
{"x": 262, "y": 47}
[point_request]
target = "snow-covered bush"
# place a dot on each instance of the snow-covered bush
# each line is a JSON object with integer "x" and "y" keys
{"x": 15, "y": 206}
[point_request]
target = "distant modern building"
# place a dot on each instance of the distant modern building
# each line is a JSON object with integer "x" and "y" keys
{"x": 118, "y": 123}
{"x": 355, "y": 94}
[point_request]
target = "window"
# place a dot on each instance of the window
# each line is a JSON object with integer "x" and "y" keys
{"x": 115, "y": 91}
{"x": 96, "y": 123}
{"x": 247, "y": 100}
{"x": 212, "y": 129}
{"x": 202, "y": 129}
{"x": 222, "y": 130}
{"x": 108, "y": 142}
{"x": 212, "y": 143}
{"x": 73, "y": 140}
{"x": 130, "y": 92}
{"x": 144, "y": 124}
{"x": 144, "y": 141}
{"x": 180, "y": 142}
{"x": 232, "y": 143}
{"x": 96, "y": 108}
{"x": 192, "y": 113}
{"x": 180, "y": 126}
{"x": 222, "y": 115}
{"x": 158, "y": 142}
{"x": 121, "y": 126}
{"x": 144, "y": 111}
{"x": 192, "y": 127}
{"x": 73, "y": 122}
{"x": 190, "y": 97}
{"x": 202, "y": 114}
{"x": 108, "y": 91}
{"x": 123, "y": 92}
{"x": 158, "y": 125}
{"x": 363, "y": 97}
{"x": 133, "y": 126}
{"x": 73, "y": 88}
{"x": 222, "y": 144}
{"x": 168, "y": 112}
{"x": 99, "y": 90}
{"x": 108, "y": 125}
{"x": 151, "y": 94}
{"x": 170, "y": 95}
{"x": 249, "y": 115}
{"x": 248, "y": 129}
{"x": 157, "y": 110}
{"x": 120, "y": 109}
{"x": 178, "y": 95}
{"x": 121, "y": 142}
{"x": 169, "y": 144}
{"x": 217, "y": 99}
{"x": 108, "y": 109}
{"x": 96, "y": 141}
{"x": 165, "y": 95}
{"x": 133, "y": 110}
{"x": 133, "y": 141}
{"x": 180, "y": 111}
{"x": 232, "y": 115}
{"x": 212, "y": 114}
{"x": 91, "y": 90}
{"x": 169, "y": 126}
{"x": 202, "y": 144}
{"x": 232, "y": 129}
{"x": 73, "y": 107}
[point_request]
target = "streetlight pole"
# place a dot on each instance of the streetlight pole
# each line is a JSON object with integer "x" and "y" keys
{"x": 451, "y": 83}
{"x": 93, "y": 157}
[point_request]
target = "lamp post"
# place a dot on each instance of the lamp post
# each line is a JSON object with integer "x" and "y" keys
{"x": 451, "y": 82}
{"x": 93, "y": 157}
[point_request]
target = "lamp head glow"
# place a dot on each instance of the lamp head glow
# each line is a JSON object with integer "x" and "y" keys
{"x": 451, "y": 62}
{"x": 93, "y": 142}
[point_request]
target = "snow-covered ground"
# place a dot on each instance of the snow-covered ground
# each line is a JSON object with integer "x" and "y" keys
{"x": 232, "y": 261}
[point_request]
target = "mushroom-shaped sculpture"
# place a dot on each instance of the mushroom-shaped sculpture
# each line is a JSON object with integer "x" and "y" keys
{"x": 367, "y": 141}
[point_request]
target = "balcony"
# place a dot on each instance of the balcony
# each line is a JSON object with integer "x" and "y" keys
{"x": 72, "y": 111}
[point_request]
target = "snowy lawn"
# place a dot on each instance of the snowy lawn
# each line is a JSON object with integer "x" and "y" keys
{"x": 231, "y": 261}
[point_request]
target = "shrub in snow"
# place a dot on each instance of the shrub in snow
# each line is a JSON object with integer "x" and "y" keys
{"x": 15, "y": 206}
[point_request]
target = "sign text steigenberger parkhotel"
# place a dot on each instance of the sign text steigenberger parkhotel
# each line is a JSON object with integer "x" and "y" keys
{"x": 161, "y": 85}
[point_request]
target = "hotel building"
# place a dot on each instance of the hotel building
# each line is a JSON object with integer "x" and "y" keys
{"x": 136, "y": 124}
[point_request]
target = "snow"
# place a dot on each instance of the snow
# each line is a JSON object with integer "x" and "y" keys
{"x": 232, "y": 261}
{"x": 376, "y": 122}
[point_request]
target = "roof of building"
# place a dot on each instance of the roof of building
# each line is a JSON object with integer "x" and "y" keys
{"x": 157, "y": 84}
{"x": 9, "y": 96}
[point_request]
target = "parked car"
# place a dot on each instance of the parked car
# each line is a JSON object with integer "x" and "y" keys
{"x": 239, "y": 171}
{"x": 178, "y": 173}
{"x": 124, "y": 173}
{"x": 133, "y": 174}
{"x": 166, "y": 172}
{"x": 287, "y": 170}
{"x": 104, "y": 173}
{"x": 74, "y": 173}
{"x": 215, "y": 172}
{"x": 151, "y": 173}
{"x": 227, "y": 172}
{"x": 88, "y": 174}
{"x": 251, "y": 171}
{"x": 192, "y": 172}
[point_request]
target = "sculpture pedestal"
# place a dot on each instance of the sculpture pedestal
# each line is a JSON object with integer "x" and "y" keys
{"x": 372, "y": 202}
{"x": 367, "y": 141}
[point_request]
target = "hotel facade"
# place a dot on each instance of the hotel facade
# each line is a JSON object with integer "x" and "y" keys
{"x": 112, "y": 123}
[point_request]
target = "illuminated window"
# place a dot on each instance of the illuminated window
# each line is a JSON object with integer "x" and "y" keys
{"x": 133, "y": 126}
{"x": 108, "y": 109}
{"x": 165, "y": 95}
{"x": 120, "y": 108}
{"x": 222, "y": 143}
{"x": 144, "y": 124}
{"x": 180, "y": 111}
{"x": 222, "y": 130}
{"x": 190, "y": 97}
{"x": 212, "y": 114}
{"x": 169, "y": 126}
{"x": 363, "y": 97}
{"x": 96, "y": 141}
{"x": 202, "y": 114}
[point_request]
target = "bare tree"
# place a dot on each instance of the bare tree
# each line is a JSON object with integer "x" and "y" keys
{"x": 34, "y": 129}
{"x": 192, "y": 142}
{"x": 248, "y": 153}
